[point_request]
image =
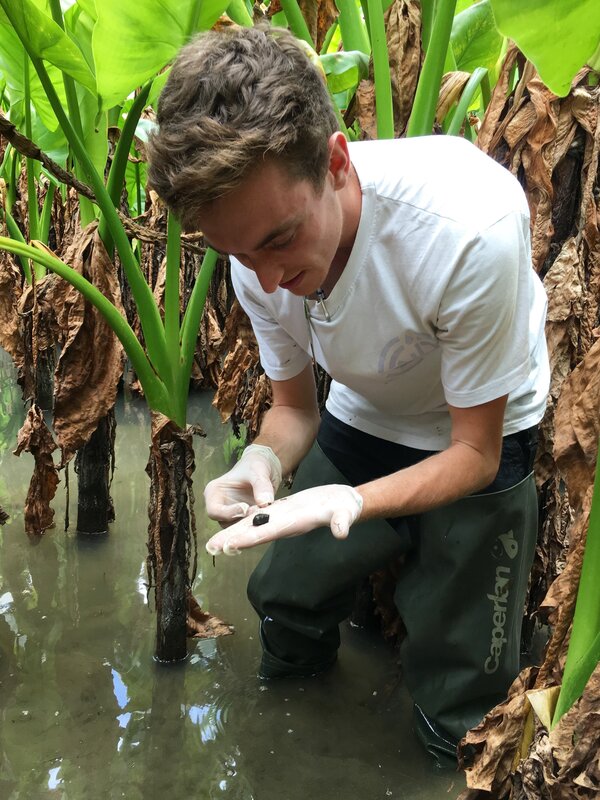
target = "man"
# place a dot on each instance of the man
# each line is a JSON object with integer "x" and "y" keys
{"x": 403, "y": 268}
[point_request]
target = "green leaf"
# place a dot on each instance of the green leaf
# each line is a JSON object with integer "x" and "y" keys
{"x": 345, "y": 69}
{"x": 12, "y": 54}
{"x": 47, "y": 40}
{"x": 557, "y": 36}
{"x": 475, "y": 40}
{"x": 134, "y": 40}
{"x": 95, "y": 129}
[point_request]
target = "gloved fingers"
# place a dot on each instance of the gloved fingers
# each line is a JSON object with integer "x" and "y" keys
{"x": 285, "y": 519}
{"x": 341, "y": 521}
{"x": 226, "y": 513}
{"x": 262, "y": 489}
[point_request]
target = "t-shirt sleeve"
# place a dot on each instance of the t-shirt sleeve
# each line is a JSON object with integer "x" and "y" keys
{"x": 280, "y": 355}
{"x": 483, "y": 318}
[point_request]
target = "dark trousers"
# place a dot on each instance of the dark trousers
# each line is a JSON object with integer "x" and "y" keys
{"x": 460, "y": 593}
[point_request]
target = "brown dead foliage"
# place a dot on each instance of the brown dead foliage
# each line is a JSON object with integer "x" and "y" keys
{"x": 202, "y": 625}
{"x": 91, "y": 356}
{"x": 552, "y": 145}
{"x": 172, "y": 536}
{"x": 11, "y": 288}
{"x": 243, "y": 393}
{"x": 403, "y": 33}
{"x": 35, "y": 438}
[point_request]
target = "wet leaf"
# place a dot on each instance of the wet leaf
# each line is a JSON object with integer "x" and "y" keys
{"x": 201, "y": 625}
{"x": 35, "y": 438}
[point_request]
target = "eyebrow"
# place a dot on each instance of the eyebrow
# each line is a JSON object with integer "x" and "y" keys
{"x": 285, "y": 226}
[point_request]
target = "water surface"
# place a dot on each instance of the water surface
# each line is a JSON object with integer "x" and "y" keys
{"x": 87, "y": 713}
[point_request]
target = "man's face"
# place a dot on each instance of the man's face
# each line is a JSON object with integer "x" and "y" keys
{"x": 279, "y": 227}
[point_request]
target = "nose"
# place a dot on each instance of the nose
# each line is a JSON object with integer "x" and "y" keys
{"x": 267, "y": 270}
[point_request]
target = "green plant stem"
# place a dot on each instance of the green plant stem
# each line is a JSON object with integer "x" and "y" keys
{"x": 15, "y": 233}
{"x": 116, "y": 175}
{"x": 328, "y": 37}
{"x": 427, "y": 17}
{"x": 46, "y": 215}
{"x": 583, "y": 651}
{"x": 354, "y": 33}
{"x": 192, "y": 25}
{"x": 191, "y": 325}
{"x": 239, "y": 13}
{"x": 465, "y": 101}
{"x": 150, "y": 320}
{"x": 86, "y": 208}
{"x": 172, "y": 300}
{"x": 381, "y": 69}
{"x": 296, "y": 21}
{"x": 32, "y": 201}
{"x": 428, "y": 87}
{"x": 154, "y": 389}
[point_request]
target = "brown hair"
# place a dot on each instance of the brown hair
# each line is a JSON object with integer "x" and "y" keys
{"x": 233, "y": 98}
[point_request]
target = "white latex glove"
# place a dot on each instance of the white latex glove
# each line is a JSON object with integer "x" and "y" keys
{"x": 253, "y": 481}
{"x": 335, "y": 505}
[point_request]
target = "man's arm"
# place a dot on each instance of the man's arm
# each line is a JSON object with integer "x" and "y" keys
{"x": 287, "y": 432}
{"x": 290, "y": 426}
{"x": 469, "y": 464}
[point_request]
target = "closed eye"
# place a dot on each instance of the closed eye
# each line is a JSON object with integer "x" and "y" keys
{"x": 281, "y": 244}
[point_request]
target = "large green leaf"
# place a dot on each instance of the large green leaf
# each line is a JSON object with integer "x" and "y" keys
{"x": 47, "y": 40}
{"x": 475, "y": 40}
{"x": 344, "y": 69}
{"x": 557, "y": 36}
{"x": 12, "y": 54}
{"x": 133, "y": 40}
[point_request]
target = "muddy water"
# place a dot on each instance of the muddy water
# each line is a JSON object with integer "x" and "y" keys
{"x": 87, "y": 713}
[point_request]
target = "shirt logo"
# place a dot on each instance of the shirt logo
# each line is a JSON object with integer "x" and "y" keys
{"x": 404, "y": 353}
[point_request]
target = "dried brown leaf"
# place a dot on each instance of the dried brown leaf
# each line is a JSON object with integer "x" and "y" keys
{"x": 403, "y": 34}
{"x": 565, "y": 763}
{"x": 451, "y": 89}
{"x": 202, "y": 625}
{"x": 326, "y": 15}
{"x": 35, "y": 438}
{"x": 91, "y": 358}
{"x": 365, "y": 108}
{"x": 496, "y": 741}
{"x": 11, "y": 283}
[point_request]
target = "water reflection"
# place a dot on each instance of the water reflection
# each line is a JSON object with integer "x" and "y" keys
{"x": 86, "y": 712}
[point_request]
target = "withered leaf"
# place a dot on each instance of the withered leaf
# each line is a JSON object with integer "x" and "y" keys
{"x": 201, "y": 625}
{"x": 35, "y": 438}
{"x": 91, "y": 358}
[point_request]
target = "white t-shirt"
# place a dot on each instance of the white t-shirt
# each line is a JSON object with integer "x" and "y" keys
{"x": 437, "y": 304}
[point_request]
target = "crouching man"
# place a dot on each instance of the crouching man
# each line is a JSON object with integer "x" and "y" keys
{"x": 415, "y": 291}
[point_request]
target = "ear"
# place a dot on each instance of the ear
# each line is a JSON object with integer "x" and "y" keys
{"x": 339, "y": 159}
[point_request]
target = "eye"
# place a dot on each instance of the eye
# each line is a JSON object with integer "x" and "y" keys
{"x": 281, "y": 244}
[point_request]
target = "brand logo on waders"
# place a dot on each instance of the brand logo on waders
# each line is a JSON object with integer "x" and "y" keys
{"x": 505, "y": 545}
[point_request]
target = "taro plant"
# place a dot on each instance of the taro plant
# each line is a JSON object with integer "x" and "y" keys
{"x": 74, "y": 59}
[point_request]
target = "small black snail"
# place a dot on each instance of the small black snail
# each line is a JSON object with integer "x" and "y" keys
{"x": 260, "y": 519}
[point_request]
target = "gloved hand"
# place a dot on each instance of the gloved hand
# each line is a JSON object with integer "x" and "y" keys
{"x": 335, "y": 505}
{"x": 253, "y": 481}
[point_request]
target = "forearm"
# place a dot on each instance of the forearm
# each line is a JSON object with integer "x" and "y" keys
{"x": 440, "y": 479}
{"x": 290, "y": 433}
